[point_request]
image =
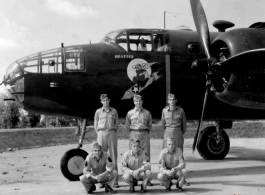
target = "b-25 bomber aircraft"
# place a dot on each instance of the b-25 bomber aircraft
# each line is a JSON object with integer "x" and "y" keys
{"x": 224, "y": 69}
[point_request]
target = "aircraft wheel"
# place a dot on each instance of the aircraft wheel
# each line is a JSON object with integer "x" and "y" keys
{"x": 72, "y": 163}
{"x": 207, "y": 146}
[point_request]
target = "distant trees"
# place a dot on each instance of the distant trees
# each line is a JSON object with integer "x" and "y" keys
{"x": 13, "y": 116}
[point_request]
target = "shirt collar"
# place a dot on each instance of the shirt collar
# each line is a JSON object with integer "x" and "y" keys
{"x": 102, "y": 109}
{"x": 138, "y": 110}
{"x": 174, "y": 108}
{"x": 100, "y": 156}
{"x": 137, "y": 154}
{"x": 169, "y": 152}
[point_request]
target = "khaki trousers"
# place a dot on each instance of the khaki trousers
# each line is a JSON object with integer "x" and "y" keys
{"x": 108, "y": 142}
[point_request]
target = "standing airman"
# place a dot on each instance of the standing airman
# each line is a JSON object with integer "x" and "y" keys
{"x": 106, "y": 124}
{"x": 139, "y": 124}
{"x": 173, "y": 122}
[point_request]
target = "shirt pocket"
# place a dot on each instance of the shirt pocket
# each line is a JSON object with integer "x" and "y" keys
{"x": 111, "y": 119}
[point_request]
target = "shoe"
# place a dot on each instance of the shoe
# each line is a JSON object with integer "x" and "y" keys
{"x": 131, "y": 189}
{"x": 149, "y": 183}
{"x": 168, "y": 189}
{"x": 109, "y": 189}
{"x": 101, "y": 185}
{"x": 116, "y": 186}
{"x": 186, "y": 183}
{"x": 92, "y": 189}
{"x": 180, "y": 189}
{"x": 142, "y": 189}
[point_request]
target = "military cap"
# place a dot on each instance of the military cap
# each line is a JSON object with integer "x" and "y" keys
{"x": 103, "y": 96}
{"x": 137, "y": 97}
{"x": 170, "y": 95}
{"x": 95, "y": 145}
{"x": 134, "y": 141}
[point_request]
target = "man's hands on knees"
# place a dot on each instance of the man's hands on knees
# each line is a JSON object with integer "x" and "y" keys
{"x": 135, "y": 173}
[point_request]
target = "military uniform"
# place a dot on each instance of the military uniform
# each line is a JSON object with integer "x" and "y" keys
{"x": 95, "y": 168}
{"x": 174, "y": 124}
{"x": 167, "y": 161}
{"x": 133, "y": 162}
{"x": 139, "y": 123}
{"x": 106, "y": 125}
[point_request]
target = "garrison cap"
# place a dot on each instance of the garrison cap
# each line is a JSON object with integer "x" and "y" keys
{"x": 134, "y": 141}
{"x": 103, "y": 96}
{"x": 95, "y": 145}
{"x": 170, "y": 95}
{"x": 137, "y": 97}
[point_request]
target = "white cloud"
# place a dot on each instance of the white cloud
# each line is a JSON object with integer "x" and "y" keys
{"x": 8, "y": 43}
{"x": 12, "y": 35}
{"x": 67, "y": 8}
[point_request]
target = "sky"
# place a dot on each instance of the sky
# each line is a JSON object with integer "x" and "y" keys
{"x": 30, "y": 26}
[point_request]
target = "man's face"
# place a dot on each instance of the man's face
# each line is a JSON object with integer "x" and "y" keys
{"x": 96, "y": 152}
{"x": 135, "y": 147}
{"x": 138, "y": 103}
{"x": 170, "y": 146}
{"x": 105, "y": 102}
{"x": 172, "y": 101}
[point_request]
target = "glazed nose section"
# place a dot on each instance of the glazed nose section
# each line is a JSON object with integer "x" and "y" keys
{"x": 14, "y": 82}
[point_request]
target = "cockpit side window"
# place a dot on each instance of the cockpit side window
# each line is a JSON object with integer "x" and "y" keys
{"x": 140, "y": 42}
{"x": 74, "y": 59}
{"x": 162, "y": 43}
{"x": 117, "y": 37}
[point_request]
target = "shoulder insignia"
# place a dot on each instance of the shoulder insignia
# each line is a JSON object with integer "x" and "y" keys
{"x": 109, "y": 159}
{"x": 160, "y": 161}
{"x": 166, "y": 107}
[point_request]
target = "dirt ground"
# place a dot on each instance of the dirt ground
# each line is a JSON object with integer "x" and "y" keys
{"x": 37, "y": 171}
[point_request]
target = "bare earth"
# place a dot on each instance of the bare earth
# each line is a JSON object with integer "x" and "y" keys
{"x": 37, "y": 171}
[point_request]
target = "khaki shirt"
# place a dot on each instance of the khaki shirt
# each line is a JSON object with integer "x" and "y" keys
{"x": 167, "y": 160}
{"x": 133, "y": 162}
{"x": 106, "y": 119}
{"x": 174, "y": 118}
{"x": 94, "y": 167}
{"x": 138, "y": 119}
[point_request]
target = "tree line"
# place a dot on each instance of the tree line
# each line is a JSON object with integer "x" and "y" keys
{"x": 13, "y": 116}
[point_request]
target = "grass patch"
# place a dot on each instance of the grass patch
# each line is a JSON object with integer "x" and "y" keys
{"x": 40, "y": 137}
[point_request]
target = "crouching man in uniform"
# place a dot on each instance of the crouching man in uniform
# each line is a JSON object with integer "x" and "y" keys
{"x": 171, "y": 166}
{"x": 99, "y": 168}
{"x": 136, "y": 166}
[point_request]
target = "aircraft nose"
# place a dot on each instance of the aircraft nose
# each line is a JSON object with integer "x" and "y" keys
{"x": 14, "y": 82}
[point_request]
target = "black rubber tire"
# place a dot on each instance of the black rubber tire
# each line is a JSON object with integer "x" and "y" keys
{"x": 64, "y": 163}
{"x": 207, "y": 147}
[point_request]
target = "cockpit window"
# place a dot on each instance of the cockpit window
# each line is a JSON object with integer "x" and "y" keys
{"x": 74, "y": 59}
{"x": 162, "y": 43}
{"x": 116, "y": 37}
{"x": 140, "y": 42}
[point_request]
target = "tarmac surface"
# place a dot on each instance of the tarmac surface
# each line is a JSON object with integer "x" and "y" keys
{"x": 37, "y": 171}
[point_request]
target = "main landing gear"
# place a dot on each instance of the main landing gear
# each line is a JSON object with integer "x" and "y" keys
{"x": 213, "y": 142}
{"x": 73, "y": 161}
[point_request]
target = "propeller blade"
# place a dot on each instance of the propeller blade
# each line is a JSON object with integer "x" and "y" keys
{"x": 201, "y": 24}
{"x": 208, "y": 86}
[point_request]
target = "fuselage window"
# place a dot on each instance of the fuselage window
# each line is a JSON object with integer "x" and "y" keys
{"x": 162, "y": 43}
{"x": 74, "y": 59}
{"x": 140, "y": 42}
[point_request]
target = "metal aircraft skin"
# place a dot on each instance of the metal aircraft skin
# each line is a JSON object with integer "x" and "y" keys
{"x": 215, "y": 76}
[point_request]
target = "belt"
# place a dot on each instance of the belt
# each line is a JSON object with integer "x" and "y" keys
{"x": 106, "y": 130}
{"x": 139, "y": 130}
